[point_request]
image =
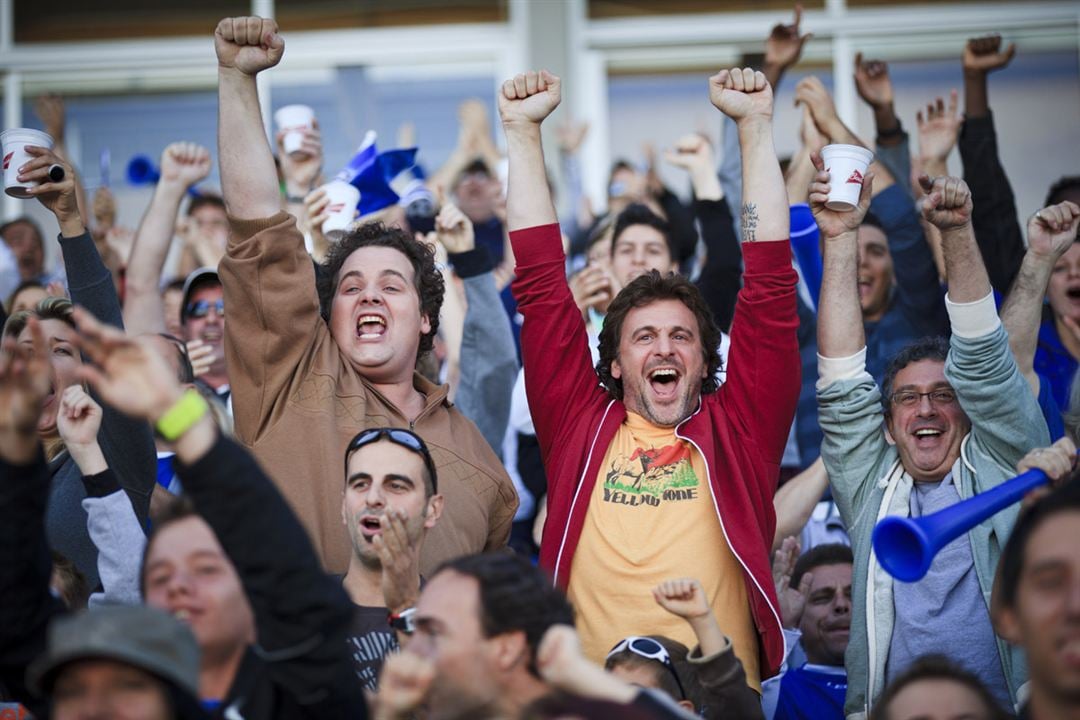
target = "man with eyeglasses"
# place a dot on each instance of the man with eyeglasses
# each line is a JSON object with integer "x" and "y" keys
{"x": 958, "y": 416}
{"x": 202, "y": 316}
{"x": 389, "y": 502}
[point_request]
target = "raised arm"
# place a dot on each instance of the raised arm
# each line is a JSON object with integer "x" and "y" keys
{"x": 745, "y": 96}
{"x": 245, "y": 46}
{"x": 875, "y": 87}
{"x": 1051, "y": 232}
{"x": 524, "y": 102}
{"x": 948, "y": 208}
{"x": 994, "y": 218}
{"x": 301, "y": 631}
{"x": 183, "y": 164}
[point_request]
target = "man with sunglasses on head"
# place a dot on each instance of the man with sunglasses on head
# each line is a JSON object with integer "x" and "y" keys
{"x": 389, "y": 502}
{"x": 958, "y": 415}
{"x": 202, "y": 316}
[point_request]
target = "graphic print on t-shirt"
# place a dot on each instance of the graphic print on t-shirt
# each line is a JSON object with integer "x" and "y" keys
{"x": 650, "y": 476}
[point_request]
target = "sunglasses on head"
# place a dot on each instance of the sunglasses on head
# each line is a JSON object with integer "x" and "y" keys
{"x": 404, "y": 438}
{"x": 651, "y": 650}
{"x": 201, "y": 308}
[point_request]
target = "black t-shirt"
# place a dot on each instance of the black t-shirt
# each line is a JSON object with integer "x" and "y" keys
{"x": 370, "y": 639}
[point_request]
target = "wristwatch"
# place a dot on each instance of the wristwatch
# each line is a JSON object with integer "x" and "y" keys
{"x": 403, "y": 621}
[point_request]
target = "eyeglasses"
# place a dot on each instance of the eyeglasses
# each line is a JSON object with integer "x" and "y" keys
{"x": 910, "y": 398}
{"x": 651, "y": 650}
{"x": 404, "y": 438}
{"x": 201, "y": 308}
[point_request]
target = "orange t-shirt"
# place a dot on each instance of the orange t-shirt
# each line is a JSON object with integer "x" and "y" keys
{"x": 651, "y": 518}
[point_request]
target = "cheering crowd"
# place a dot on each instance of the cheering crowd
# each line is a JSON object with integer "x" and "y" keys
{"x": 469, "y": 459}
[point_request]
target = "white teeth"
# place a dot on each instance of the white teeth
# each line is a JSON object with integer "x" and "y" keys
{"x": 371, "y": 319}
{"x": 182, "y": 615}
{"x": 664, "y": 373}
{"x": 926, "y": 431}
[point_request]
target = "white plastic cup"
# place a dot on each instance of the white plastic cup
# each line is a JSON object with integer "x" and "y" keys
{"x": 14, "y": 142}
{"x": 342, "y": 208}
{"x": 293, "y": 120}
{"x": 846, "y": 165}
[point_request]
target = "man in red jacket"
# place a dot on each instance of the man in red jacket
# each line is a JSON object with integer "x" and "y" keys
{"x": 653, "y": 472}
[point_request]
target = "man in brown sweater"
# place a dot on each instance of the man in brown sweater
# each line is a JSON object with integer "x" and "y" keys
{"x": 303, "y": 384}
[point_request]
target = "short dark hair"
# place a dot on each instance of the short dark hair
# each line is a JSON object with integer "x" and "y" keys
{"x": 73, "y": 589}
{"x": 645, "y": 290}
{"x": 665, "y": 681}
{"x": 1063, "y": 499}
{"x": 937, "y": 667}
{"x": 871, "y": 220}
{"x": 515, "y": 595}
{"x": 819, "y": 556}
{"x": 1061, "y": 188}
{"x": 427, "y": 278}
{"x": 175, "y": 509}
{"x": 24, "y": 285}
{"x": 25, "y": 220}
{"x": 640, "y": 214}
{"x": 204, "y": 200}
{"x": 927, "y": 348}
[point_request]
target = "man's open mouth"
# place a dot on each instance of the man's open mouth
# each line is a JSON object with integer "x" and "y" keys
{"x": 370, "y": 526}
{"x": 370, "y": 327}
{"x": 664, "y": 381}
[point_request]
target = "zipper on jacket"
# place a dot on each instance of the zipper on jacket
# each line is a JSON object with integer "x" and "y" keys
{"x": 577, "y": 491}
{"x": 723, "y": 530}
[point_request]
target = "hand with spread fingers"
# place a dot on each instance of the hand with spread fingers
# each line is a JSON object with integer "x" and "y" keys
{"x": 947, "y": 205}
{"x": 56, "y": 188}
{"x": 127, "y": 373}
{"x": 939, "y": 129}
{"x": 400, "y": 562}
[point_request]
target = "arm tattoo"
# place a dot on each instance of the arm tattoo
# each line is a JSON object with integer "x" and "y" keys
{"x": 749, "y": 222}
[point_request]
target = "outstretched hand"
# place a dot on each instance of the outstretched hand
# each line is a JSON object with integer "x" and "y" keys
{"x": 947, "y": 205}
{"x": 128, "y": 373}
{"x": 833, "y": 223}
{"x": 528, "y": 98}
{"x": 742, "y": 94}
{"x": 984, "y": 54}
{"x": 872, "y": 82}
{"x": 1052, "y": 230}
{"x": 939, "y": 128}
{"x": 248, "y": 44}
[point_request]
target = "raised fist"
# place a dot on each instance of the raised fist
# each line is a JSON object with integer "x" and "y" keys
{"x": 185, "y": 163}
{"x": 947, "y": 204}
{"x": 529, "y": 97}
{"x": 1052, "y": 230}
{"x": 984, "y": 54}
{"x": 248, "y": 44}
{"x": 741, "y": 93}
{"x": 454, "y": 230}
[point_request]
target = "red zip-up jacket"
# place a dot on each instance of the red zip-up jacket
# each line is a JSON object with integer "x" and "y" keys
{"x": 740, "y": 430}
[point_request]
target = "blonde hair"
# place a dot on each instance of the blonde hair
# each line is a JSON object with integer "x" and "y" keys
{"x": 50, "y": 308}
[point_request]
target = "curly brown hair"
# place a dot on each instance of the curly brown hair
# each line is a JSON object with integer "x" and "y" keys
{"x": 426, "y": 275}
{"x": 645, "y": 290}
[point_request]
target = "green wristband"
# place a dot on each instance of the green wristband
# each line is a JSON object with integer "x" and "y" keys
{"x": 187, "y": 411}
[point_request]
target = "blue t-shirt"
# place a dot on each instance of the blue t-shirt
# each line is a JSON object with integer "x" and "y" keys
{"x": 812, "y": 692}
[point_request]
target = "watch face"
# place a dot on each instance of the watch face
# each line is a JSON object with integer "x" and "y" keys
{"x": 403, "y": 621}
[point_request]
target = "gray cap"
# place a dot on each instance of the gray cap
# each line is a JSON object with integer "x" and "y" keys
{"x": 197, "y": 278}
{"x": 137, "y": 635}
